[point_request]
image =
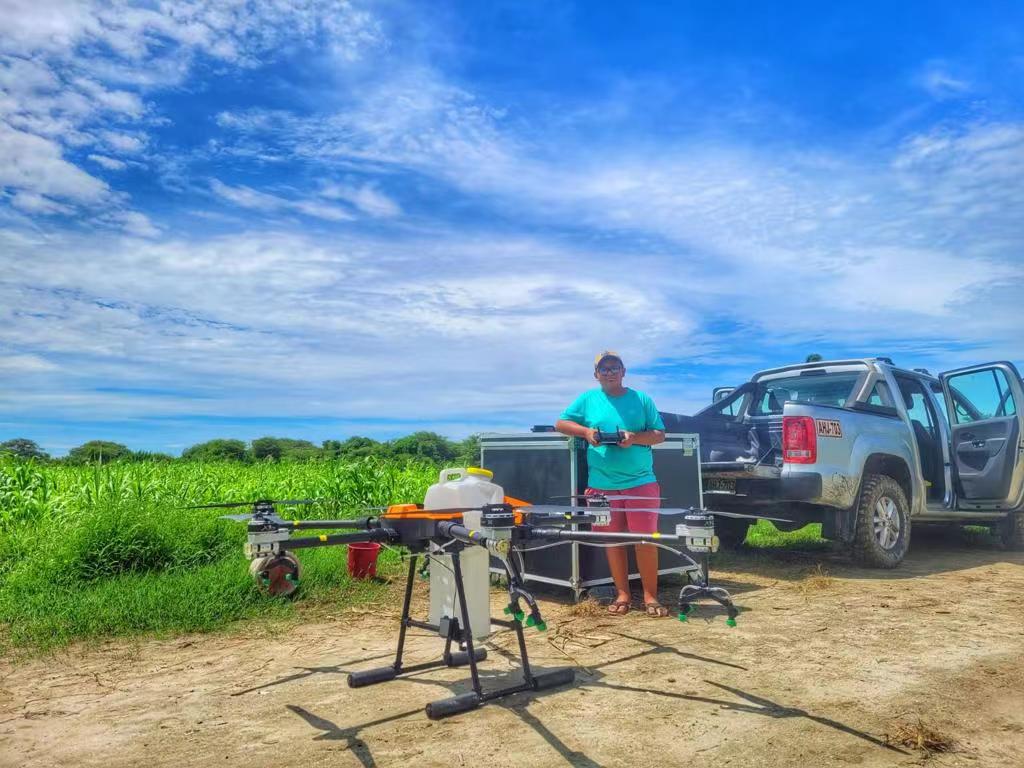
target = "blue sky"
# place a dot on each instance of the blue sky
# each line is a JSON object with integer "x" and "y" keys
{"x": 320, "y": 219}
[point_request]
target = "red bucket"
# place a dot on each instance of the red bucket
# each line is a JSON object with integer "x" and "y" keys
{"x": 362, "y": 559}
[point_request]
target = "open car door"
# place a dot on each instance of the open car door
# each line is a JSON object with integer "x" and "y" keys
{"x": 984, "y": 404}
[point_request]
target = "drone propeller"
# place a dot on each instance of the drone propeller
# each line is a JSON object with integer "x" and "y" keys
{"x": 608, "y": 496}
{"x": 716, "y": 513}
{"x": 230, "y": 504}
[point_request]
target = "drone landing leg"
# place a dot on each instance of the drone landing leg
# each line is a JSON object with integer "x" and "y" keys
{"x": 691, "y": 593}
{"x": 384, "y": 674}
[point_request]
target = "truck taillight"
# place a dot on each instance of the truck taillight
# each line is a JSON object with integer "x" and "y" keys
{"x": 799, "y": 440}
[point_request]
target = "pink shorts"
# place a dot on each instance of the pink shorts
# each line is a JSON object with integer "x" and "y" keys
{"x": 623, "y": 519}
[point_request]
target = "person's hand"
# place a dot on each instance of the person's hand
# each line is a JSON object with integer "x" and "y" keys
{"x": 627, "y": 439}
{"x": 591, "y": 437}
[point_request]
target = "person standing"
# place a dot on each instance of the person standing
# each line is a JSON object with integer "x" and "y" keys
{"x": 623, "y": 469}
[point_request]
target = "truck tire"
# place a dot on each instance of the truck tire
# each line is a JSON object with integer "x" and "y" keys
{"x": 731, "y": 532}
{"x": 882, "y": 537}
{"x": 1011, "y": 531}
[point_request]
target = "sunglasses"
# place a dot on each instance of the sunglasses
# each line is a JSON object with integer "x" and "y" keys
{"x": 610, "y": 369}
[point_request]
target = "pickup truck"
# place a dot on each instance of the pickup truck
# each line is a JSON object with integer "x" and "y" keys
{"x": 867, "y": 449}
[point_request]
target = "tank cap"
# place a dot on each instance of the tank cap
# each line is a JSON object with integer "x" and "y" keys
{"x": 480, "y": 471}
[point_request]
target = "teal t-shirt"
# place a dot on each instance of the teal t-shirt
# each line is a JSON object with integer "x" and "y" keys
{"x": 611, "y": 467}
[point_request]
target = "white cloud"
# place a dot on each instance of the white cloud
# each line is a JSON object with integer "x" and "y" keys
{"x": 110, "y": 163}
{"x": 31, "y": 203}
{"x": 365, "y": 197}
{"x": 937, "y": 80}
{"x": 36, "y": 165}
{"x": 75, "y": 73}
{"x": 247, "y": 197}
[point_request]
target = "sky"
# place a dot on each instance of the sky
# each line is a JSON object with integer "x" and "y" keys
{"x": 335, "y": 218}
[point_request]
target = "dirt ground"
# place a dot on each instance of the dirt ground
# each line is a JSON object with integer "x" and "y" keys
{"x": 829, "y": 665}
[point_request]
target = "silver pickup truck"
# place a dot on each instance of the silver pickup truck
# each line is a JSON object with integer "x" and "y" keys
{"x": 867, "y": 449}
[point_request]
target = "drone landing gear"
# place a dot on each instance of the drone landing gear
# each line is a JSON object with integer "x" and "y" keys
{"x": 458, "y": 630}
{"x": 691, "y": 593}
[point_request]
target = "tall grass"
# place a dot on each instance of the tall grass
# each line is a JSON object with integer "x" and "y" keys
{"x": 108, "y": 550}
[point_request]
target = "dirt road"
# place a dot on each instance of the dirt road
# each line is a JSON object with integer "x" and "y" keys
{"x": 820, "y": 670}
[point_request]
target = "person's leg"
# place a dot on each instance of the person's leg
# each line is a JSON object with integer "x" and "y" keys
{"x": 618, "y": 559}
{"x": 645, "y": 522}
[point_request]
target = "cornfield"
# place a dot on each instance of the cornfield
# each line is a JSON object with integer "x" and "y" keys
{"x": 90, "y": 551}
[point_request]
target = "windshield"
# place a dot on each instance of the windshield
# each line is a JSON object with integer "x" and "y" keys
{"x": 820, "y": 389}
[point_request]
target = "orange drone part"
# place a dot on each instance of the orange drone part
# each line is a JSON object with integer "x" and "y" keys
{"x": 415, "y": 512}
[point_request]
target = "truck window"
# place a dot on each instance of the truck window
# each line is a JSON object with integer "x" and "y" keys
{"x": 940, "y": 401}
{"x": 916, "y": 400}
{"x": 829, "y": 389}
{"x": 880, "y": 395}
{"x": 981, "y": 395}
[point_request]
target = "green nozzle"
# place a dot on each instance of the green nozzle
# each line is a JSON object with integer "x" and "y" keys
{"x": 730, "y": 622}
{"x": 531, "y": 621}
{"x": 508, "y": 610}
{"x": 683, "y": 616}
{"x": 541, "y": 626}
{"x": 519, "y": 615}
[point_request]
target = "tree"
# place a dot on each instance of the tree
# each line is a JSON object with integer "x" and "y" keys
{"x": 469, "y": 452}
{"x": 427, "y": 445}
{"x": 23, "y": 449}
{"x": 277, "y": 448}
{"x": 266, "y": 448}
{"x": 357, "y": 447}
{"x": 216, "y": 450}
{"x": 151, "y": 456}
{"x": 814, "y": 358}
{"x": 101, "y": 451}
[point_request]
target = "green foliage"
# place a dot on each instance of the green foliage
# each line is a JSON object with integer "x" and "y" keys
{"x": 353, "y": 448}
{"x": 425, "y": 445}
{"x": 93, "y": 550}
{"x": 99, "y": 451}
{"x": 278, "y": 448}
{"x": 217, "y": 450}
{"x": 23, "y": 449}
{"x": 814, "y": 357}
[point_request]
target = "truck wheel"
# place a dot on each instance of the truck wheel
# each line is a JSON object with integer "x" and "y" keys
{"x": 1011, "y": 531}
{"x": 882, "y": 537}
{"x": 731, "y": 532}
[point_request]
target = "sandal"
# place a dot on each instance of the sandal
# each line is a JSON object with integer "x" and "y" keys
{"x": 656, "y": 609}
{"x": 619, "y": 608}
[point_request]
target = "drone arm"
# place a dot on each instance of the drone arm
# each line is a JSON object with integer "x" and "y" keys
{"x": 325, "y": 540}
{"x": 365, "y": 523}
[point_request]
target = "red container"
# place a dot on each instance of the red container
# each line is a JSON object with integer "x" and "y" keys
{"x": 362, "y": 559}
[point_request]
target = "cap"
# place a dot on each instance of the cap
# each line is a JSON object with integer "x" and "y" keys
{"x": 601, "y": 356}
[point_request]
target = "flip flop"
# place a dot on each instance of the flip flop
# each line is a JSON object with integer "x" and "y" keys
{"x": 619, "y": 608}
{"x": 656, "y": 609}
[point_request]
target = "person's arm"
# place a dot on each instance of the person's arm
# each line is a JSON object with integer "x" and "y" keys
{"x": 573, "y": 429}
{"x": 572, "y": 421}
{"x": 648, "y": 437}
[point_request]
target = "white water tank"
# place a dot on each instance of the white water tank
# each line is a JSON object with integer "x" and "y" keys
{"x": 462, "y": 487}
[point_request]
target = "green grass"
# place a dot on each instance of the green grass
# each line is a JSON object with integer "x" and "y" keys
{"x": 89, "y": 552}
{"x": 764, "y": 535}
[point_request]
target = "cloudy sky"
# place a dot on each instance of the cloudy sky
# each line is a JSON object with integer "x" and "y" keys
{"x": 320, "y": 219}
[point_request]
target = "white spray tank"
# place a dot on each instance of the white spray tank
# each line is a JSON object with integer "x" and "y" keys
{"x": 469, "y": 487}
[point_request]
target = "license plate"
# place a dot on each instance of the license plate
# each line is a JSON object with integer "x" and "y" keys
{"x": 720, "y": 485}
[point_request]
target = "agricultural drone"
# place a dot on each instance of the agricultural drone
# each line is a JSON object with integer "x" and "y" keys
{"x": 449, "y": 538}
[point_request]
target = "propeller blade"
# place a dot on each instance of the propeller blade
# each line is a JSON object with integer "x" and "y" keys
{"x": 555, "y": 509}
{"x": 237, "y": 518}
{"x": 222, "y": 505}
{"x": 599, "y": 496}
{"x": 752, "y": 517}
{"x": 681, "y": 511}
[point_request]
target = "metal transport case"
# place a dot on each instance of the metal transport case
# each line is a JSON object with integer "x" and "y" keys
{"x": 547, "y": 467}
